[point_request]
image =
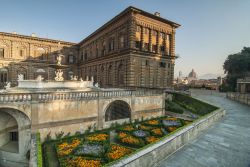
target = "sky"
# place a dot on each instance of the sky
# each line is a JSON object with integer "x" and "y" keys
{"x": 210, "y": 29}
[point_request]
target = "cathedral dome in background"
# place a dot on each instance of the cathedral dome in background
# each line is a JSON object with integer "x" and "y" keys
{"x": 192, "y": 74}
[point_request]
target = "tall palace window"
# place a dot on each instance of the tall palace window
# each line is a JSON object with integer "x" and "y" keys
{"x": 111, "y": 44}
{"x": 1, "y": 52}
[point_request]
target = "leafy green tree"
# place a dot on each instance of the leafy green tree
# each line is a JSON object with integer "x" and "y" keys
{"x": 237, "y": 66}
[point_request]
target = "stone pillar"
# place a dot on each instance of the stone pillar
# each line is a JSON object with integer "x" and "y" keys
{"x": 142, "y": 38}
{"x": 131, "y": 31}
{"x": 157, "y": 42}
{"x": 150, "y": 40}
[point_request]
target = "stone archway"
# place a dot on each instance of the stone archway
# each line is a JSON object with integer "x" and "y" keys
{"x": 15, "y": 135}
{"x": 117, "y": 110}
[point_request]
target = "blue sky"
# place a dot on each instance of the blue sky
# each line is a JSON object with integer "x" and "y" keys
{"x": 211, "y": 29}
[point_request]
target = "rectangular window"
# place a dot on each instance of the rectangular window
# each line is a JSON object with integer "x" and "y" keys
{"x": 154, "y": 33}
{"x": 71, "y": 59}
{"x": 146, "y": 46}
{"x": 162, "y": 64}
{"x": 162, "y": 35}
{"x": 146, "y": 30}
{"x": 111, "y": 44}
{"x": 86, "y": 56}
{"x": 154, "y": 48}
{"x": 147, "y": 63}
{"x": 1, "y": 52}
{"x": 138, "y": 28}
{"x": 13, "y": 136}
{"x": 138, "y": 44}
{"x": 21, "y": 53}
{"x": 162, "y": 48}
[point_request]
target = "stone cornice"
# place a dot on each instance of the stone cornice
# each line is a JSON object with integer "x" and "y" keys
{"x": 36, "y": 38}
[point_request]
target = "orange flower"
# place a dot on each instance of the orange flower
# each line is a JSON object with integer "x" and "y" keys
{"x": 157, "y": 131}
{"x": 122, "y": 134}
{"x": 98, "y": 137}
{"x": 151, "y": 139}
{"x": 66, "y": 148}
{"x": 118, "y": 152}
{"x": 130, "y": 140}
{"x": 171, "y": 119}
{"x": 153, "y": 122}
{"x": 81, "y": 162}
{"x": 172, "y": 128}
{"x": 143, "y": 127}
{"x": 128, "y": 128}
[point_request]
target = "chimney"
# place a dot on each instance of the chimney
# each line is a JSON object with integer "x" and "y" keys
{"x": 157, "y": 14}
{"x": 33, "y": 34}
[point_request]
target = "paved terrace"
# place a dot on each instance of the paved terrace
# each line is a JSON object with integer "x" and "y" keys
{"x": 225, "y": 144}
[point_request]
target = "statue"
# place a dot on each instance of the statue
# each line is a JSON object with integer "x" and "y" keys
{"x": 7, "y": 86}
{"x": 87, "y": 78}
{"x": 39, "y": 78}
{"x": 20, "y": 77}
{"x": 81, "y": 79}
{"x": 71, "y": 77}
{"x": 59, "y": 75}
{"x": 92, "y": 79}
{"x": 97, "y": 85}
{"x": 59, "y": 59}
{"x": 75, "y": 78}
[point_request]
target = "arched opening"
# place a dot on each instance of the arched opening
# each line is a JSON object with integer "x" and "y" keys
{"x": 15, "y": 136}
{"x": 8, "y": 133}
{"x": 118, "y": 110}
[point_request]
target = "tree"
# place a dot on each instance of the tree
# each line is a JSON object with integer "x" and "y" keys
{"x": 237, "y": 66}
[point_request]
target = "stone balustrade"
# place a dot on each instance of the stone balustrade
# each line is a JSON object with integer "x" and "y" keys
{"x": 15, "y": 97}
{"x": 49, "y": 96}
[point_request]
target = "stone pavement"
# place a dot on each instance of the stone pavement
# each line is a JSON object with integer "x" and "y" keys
{"x": 225, "y": 144}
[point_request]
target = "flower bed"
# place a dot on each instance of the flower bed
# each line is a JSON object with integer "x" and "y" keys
{"x": 80, "y": 162}
{"x": 90, "y": 149}
{"x": 98, "y": 137}
{"x": 66, "y": 148}
{"x": 95, "y": 149}
{"x": 117, "y": 151}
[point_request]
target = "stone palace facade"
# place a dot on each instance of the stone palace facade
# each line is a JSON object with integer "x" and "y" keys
{"x": 134, "y": 49}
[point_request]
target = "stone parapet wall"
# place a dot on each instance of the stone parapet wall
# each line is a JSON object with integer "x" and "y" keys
{"x": 153, "y": 154}
{"x": 240, "y": 97}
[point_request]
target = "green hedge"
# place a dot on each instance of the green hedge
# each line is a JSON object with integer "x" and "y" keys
{"x": 174, "y": 107}
{"x": 39, "y": 151}
{"x": 193, "y": 105}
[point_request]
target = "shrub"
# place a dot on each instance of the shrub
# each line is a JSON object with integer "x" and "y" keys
{"x": 39, "y": 151}
{"x": 174, "y": 107}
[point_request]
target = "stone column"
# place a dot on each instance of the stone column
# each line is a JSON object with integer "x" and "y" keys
{"x": 150, "y": 40}
{"x": 131, "y": 31}
{"x": 157, "y": 42}
{"x": 142, "y": 38}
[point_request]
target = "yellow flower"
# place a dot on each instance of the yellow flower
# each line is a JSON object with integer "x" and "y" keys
{"x": 118, "y": 152}
{"x": 98, "y": 137}
{"x": 157, "y": 131}
{"x": 153, "y": 122}
{"x": 151, "y": 139}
